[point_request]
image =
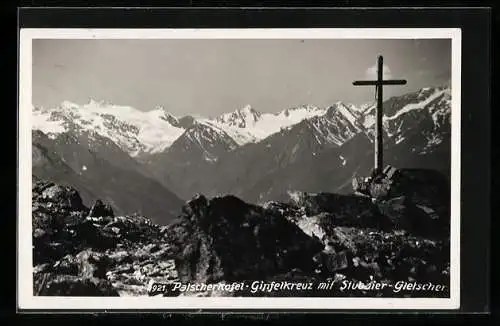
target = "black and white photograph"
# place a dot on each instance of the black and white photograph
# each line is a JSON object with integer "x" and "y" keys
{"x": 314, "y": 168}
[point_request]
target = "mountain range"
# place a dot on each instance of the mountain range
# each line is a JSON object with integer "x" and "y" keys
{"x": 150, "y": 161}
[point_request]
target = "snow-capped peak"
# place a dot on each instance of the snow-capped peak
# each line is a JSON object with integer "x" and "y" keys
{"x": 248, "y": 109}
{"x": 160, "y": 112}
{"x": 399, "y": 113}
{"x": 248, "y": 125}
{"x": 133, "y": 130}
{"x": 241, "y": 118}
{"x": 346, "y": 110}
{"x": 426, "y": 96}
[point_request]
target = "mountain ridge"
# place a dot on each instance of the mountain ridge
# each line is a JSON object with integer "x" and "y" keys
{"x": 323, "y": 150}
{"x": 149, "y": 132}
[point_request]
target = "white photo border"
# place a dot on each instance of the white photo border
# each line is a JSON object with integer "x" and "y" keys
{"x": 26, "y": 299}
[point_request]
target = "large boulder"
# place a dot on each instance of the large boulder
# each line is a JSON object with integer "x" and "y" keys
{"x": 99, "y": 209}
{"x": 421, "y": 186}
{"x": 417, "y": 199}
{"x": 66, "y": 197}
{"x": 55, "y": 206}
{"x": 228, "y": 239}
{"x": 406, "y": 215}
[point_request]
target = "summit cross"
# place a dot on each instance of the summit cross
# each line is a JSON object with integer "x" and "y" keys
{"x": 379, "y": 83}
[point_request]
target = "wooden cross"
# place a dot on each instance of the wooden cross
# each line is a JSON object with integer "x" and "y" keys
{"x": 379, "y": 83}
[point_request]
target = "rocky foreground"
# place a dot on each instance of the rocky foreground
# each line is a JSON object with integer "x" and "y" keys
{"x": 400, "y": 237}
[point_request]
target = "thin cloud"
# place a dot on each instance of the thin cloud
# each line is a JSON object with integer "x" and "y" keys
{"x": 424, "y": 73}
{"x": 371, "y": 73}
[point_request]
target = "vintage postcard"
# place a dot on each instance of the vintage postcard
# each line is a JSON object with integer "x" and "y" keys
{"x": 249, "y": 169}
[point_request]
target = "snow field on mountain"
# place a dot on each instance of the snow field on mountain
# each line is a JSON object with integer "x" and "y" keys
{"x": 133, "y": 130}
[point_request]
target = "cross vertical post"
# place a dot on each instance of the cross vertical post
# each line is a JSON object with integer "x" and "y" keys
{"x": 379, "y": 83}
{"x": 379, "y": 149}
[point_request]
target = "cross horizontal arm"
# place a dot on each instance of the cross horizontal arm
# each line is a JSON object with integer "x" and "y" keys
{"x": 394, "y": 82}
{"x": 376, "y": 82}
{"x": 364, "y": 82}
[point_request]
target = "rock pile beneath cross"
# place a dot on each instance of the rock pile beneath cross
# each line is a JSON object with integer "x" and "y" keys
{"x": 414, "y": 199}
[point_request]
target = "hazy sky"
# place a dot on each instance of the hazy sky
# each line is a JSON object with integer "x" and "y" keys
{"x": 209, "y": 77}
